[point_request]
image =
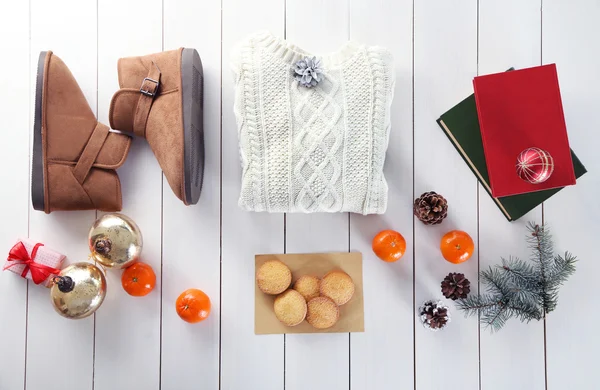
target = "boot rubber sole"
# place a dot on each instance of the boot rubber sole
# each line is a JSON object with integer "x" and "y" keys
{"x": 37, "y": 156}
{"x": 192, "y": 80}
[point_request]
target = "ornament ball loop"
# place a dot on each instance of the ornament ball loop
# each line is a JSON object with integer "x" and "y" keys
{"x": 64, "y": 283}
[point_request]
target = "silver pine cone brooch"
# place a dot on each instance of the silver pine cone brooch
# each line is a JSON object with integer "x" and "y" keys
{"x": 308, "y": 72}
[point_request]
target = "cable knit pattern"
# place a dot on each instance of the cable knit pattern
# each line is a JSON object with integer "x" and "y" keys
{"x": 317, "y": 149}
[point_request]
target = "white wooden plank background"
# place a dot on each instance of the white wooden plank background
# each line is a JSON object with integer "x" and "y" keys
{"x": 14, "y": 153}
{"x": 438, "y": 46}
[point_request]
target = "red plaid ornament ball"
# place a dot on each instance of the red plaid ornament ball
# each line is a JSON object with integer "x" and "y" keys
{"x": 535, "y": 165}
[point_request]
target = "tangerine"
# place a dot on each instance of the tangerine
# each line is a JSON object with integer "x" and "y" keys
{"x": 457, "y": 246}
{"x": 138, "y": 279}
{"x": 389, "y": 245}
{"x": 193, "y": 305}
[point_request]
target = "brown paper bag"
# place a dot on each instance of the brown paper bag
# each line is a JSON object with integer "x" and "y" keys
{"x": 317, "y": 264}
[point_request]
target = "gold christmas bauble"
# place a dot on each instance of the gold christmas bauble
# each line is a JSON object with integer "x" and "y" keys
{"x": 78, "y": 290}
{"x": 115, "y": 241}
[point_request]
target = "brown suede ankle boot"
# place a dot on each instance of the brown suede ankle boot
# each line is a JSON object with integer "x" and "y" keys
{"x": 161, "y": 100}
{"x": 74, "y": 156}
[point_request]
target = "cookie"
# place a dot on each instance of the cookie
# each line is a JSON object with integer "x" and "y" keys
{"x": 338, "y": 286}
{"x": 322, "y": 312}
{"x": 308, "y": 286}
{"x": 273, "y": 277}
{"x": 290, "y": 308}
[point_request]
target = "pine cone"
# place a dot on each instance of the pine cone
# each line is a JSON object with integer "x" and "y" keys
{"x": 456, "y": 286}
{"x": 431, "y": 208}
{"x": 434, "y": 315}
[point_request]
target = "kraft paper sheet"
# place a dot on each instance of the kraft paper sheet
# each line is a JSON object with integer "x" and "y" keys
{"x": 317, "y": 264}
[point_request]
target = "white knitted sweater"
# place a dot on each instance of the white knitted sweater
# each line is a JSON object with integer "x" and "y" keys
{"x": 317, "y": 149}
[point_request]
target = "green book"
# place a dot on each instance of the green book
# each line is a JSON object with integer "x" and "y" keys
{"x": 461, "y": 125}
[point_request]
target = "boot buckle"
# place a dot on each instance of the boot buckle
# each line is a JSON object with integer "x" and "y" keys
{"x": 149, "y": 92}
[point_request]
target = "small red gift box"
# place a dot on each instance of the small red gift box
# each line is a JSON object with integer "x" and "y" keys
{"x": 34, "y": 261}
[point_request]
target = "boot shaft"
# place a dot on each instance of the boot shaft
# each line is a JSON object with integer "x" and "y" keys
{"x": 156, "y": 101}
{"x": 74, "y": 156}
{"x": 160, "y": 72}
{"x": 67, "y": 107}
{"x": 133, "y": 70}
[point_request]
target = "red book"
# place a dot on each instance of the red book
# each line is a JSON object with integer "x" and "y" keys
{"x": 518, "y": 110}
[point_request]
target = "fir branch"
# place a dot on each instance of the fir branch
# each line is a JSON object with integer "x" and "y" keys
{"x": 522, "y": 276}
{"x": 495, "y": 319}
{"x": 540, "y": 243}
{"x": 518, "y": 270}
{"x": 472, "y": 304}
{"x": 491, "y": 308}
{"x": 516, "y": 288}
{"x": 495, "y": 283}
{"x": 562, "y": 268}
{"x": 542, "y": 255}
{"x": 525, "y": 309}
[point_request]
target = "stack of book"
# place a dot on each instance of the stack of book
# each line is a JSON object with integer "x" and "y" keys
{"x": 508, "y": 113}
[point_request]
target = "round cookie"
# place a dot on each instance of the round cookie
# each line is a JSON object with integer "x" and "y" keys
{"x": 290, "y": 308}
{"x": 273, "y": 277}
{"x": 308, "y": 286}
{"x": 322, "y": 312}
{"x": 338, "y": 286}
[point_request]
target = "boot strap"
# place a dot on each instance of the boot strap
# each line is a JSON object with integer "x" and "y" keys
{"x": 90, "y": 152}
{"x": 148, "y": 92}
